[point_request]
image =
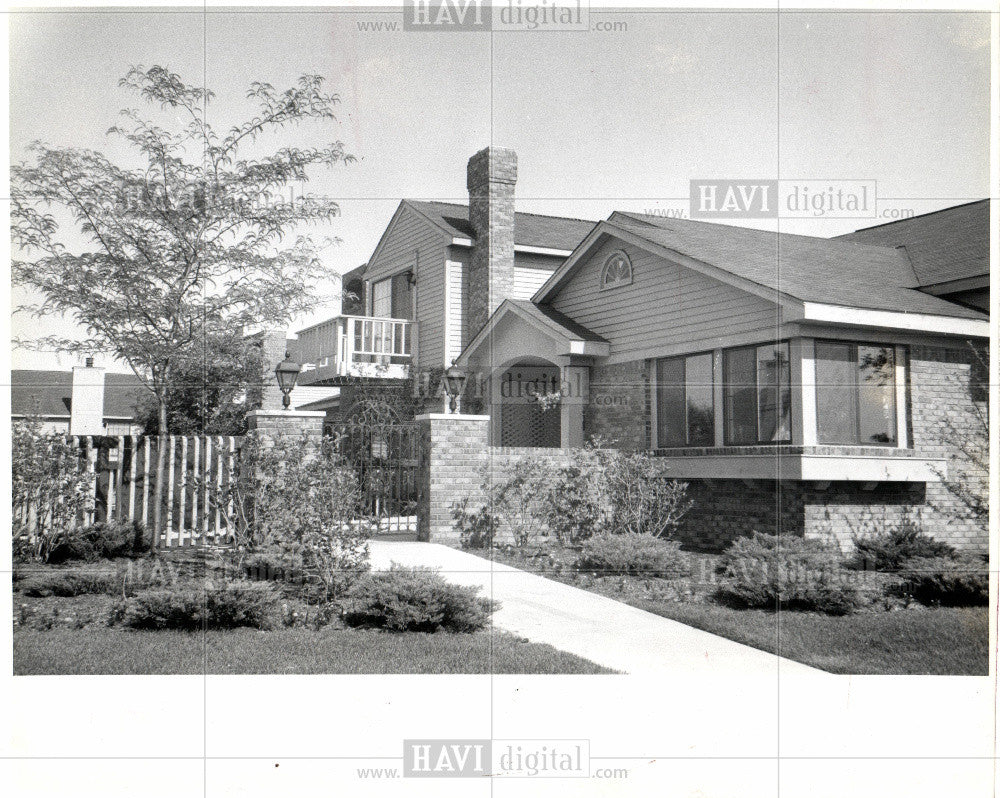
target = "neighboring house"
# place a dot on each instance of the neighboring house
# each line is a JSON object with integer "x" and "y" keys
{"x": 807, "y": 384}
{"x": 84, "y": 401}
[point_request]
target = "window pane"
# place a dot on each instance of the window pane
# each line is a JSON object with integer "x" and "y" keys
{"x": 739, "y": 395}
{"x": 700, "y": 415}
{"x": 876, "y": 395}
{"x": 836, "y": 397}
{"x": 402, "y": 298}
{"x": 773, "y": 394}
{"x": 670, "y": 402}
{"x": 382, "y": 299}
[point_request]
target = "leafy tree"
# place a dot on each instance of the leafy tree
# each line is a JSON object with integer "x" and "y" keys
{"x": 186, "y": 246}
{"x": 212, "y": 389}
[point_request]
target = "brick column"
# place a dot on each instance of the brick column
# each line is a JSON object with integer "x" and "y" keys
{"x": 454, "y": 449}
{"x": 288, "y": 422}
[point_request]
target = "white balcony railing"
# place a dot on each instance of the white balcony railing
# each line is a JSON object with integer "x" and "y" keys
{"x": 356, "y": 346}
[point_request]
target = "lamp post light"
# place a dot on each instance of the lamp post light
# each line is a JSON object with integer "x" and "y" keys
{"x": 454, "y": 381}
{"x": 287, "y": 372}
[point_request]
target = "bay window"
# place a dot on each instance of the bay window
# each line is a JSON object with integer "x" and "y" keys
{"x": 757, "y": 395}
{"x": 684, "y": 401}
{"x": 855, "y": 393}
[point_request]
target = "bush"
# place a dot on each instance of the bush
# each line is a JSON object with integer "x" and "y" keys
{"x": 298, "y": 572}
{"x": 415, "y": 600}
{"x": 68, "y": 583}
{"x": 888, "y": 549}
{"x": 225, "y": 606}
{"x": 476, "y": 528}
{"x": 297, "y": 500}
{"x": 99, "y": 541}
{"x": 947, "y": 581}
{"x": 634, "y": 555}
{"x": 513, "y": 498}
{"x": 788, "y": 572}
{"x": 576, "y": 502}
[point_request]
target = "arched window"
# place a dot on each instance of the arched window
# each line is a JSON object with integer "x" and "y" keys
{"x": 617, "y": 271}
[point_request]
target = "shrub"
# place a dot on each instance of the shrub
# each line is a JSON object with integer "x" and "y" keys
{"x": 643, "y": 500}
{"x": 297, "y": 571}
{"x": 415, "y": 600}
{"x": 889, "y": 548}
{"x": 947, "y": 581}
{"x": 296, "y": 499}
{"x": 577, "y": 501}
{"x": 476, "y": 528}
{"x": 635, "y": 555}
{"x": 225, "y": 606}
{"x": 98, "y": 541}
{"x": 68, "y": 583}
{"x": 50, "y": 486}
{"x": 788, "y": 572}
{"x": 513, "y": 498}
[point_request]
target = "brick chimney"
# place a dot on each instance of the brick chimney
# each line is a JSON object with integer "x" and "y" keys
{"x": 86, "y": 404}
{"x": 491, "y": 176}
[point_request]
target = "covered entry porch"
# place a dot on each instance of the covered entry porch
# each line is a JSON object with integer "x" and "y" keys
{"x": 534, "y": 364}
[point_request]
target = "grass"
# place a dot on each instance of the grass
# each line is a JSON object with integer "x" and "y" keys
{"x": 104, "y": 651}
{"x": 918, "y": 641}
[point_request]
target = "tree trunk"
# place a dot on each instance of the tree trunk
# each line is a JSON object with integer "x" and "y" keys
{"x": 161, "y": 462}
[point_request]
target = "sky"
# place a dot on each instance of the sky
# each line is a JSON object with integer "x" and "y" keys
{"x": 600, "y": 121}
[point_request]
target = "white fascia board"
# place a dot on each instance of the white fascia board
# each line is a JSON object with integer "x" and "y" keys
{"x": 922, "y": 322}
{"x": 527, "y": 250}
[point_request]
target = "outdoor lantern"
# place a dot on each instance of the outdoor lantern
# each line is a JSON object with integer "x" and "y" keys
{"x": 287, "y": 372}
{"x": 454, "y": 381}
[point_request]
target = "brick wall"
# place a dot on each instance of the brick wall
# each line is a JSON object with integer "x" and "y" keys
{"x": 287, "y": 422}
{"x": 618, "y": 408}
{"x": 948, "y": 397}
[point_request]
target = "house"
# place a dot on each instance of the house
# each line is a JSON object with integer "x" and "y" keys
{"x": 83, "y": 401}
{"x": 799, "y": 383}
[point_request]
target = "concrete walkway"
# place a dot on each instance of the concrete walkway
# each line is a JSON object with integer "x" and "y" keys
{"x": 597, "y": 628}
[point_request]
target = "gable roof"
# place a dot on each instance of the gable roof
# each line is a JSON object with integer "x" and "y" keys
{"x": 48, "y": 393}
{"x": 950, "y": 244}
{"x": 530, "y": 229}
{"x": 803, "y": 268}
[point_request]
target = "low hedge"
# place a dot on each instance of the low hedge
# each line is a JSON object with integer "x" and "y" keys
{"x": 415, "y": 600}
{"x": 633, "y": 555}
{"x": 788, "y": 572}
{"x": 226, "y": 606}
{"x": 947, "y": 581}
{"x": 891, "y": 548}
{"x": 68, "y": 583}
{"x": 108, "y": 541}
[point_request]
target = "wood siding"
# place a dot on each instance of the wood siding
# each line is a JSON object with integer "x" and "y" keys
{"x": 455, "y": 289}
{"x": 667, "y": 309}
{"x": 414, "y": 243}
{"x": 528, "y": 281}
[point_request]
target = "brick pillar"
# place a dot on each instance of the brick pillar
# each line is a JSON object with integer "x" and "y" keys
{"x": 491, "y": 176}
{"x": 288, "y": 422}
{"x": 273, "y": 344}
{"x": 454, "y": 449}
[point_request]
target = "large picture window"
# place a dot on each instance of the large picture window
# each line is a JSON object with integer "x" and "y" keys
{"x": 382, "y": 299}
{"x": 855, "y": 393}
{"x": 684, "y": 406}
{"x": 757, "y": 395}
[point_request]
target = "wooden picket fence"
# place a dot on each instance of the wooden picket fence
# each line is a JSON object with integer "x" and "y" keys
{"x": 199, "y": 470}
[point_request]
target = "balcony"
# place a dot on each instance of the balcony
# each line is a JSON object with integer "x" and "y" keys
{"x": 347, "y": 348}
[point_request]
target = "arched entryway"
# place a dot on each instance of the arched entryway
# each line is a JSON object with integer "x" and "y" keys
{"x": 524, "y": 421}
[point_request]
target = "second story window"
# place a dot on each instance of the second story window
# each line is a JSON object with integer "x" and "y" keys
{"x": 757, "y": 395}
{"x": 382, "y": 299}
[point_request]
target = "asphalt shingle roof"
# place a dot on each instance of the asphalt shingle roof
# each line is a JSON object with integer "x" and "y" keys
{"x": 822, "y": 270}
{"x": 550, "y": 318}
{"x": 48, "y": 393}
{"x": 945, "y": 245}
{"x": 530, "y": 229}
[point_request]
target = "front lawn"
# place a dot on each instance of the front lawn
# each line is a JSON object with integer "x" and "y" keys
{"x": 103, "y": 651}
{"x": 911, "y": 640}
{"x": 941, "y": 640}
